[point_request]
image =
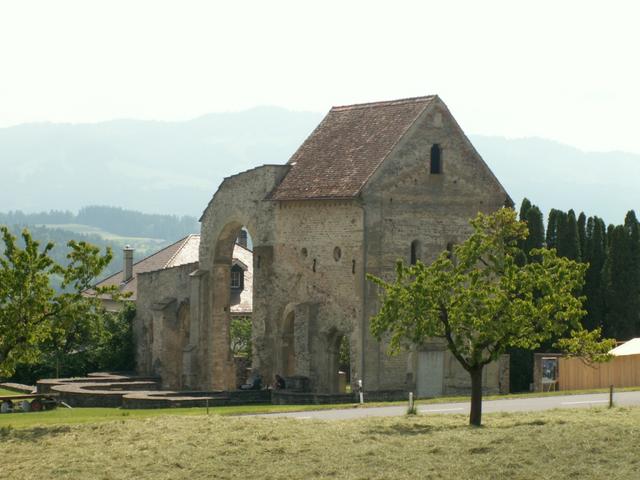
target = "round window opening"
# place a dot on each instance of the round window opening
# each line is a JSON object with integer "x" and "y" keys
{"x": 304, "y": 252}
{"x": 337, "y": 253}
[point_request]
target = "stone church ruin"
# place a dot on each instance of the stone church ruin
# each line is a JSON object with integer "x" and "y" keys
{"x": 372, "y": 183}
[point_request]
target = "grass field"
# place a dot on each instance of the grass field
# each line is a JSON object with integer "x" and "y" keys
{"x": 88, "y": 229}
{"x": 581, "y": 444}
{"x": 63, "y": 416}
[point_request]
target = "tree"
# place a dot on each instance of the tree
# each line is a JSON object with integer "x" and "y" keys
{"x": 481, "y": 302}
{"x": 552, "y": 228}
{"x": 32, "y": 313}
{"x": 241, "y": 336}
{"x": 525, "y": 206}
{"x": 595, "y": 252}
{"x": 621, "y": 280}
{"x": 535, "y": 225}
{"x": 568, "y": 242}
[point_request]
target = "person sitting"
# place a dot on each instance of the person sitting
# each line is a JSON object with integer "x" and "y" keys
{"x": 254, "y": 382}
{"x": 279, "y": 383}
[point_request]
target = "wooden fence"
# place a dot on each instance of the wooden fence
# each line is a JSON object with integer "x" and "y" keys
{"x": 622, "y": 371}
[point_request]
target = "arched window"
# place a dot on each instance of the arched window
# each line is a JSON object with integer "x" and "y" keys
{"x": 450, "y": 246}
{"x": 416, "y": 251}
{"x": 436, "y": 159}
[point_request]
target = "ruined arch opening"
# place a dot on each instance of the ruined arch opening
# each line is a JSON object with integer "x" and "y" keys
{"x": 232, "y": 308}
{"x": 338, "y": 361}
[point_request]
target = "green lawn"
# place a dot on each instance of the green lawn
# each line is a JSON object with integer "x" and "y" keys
{"x": 4, "y": 392}
{"x": 64, "y": 416}
{"x": 581, "y": 444}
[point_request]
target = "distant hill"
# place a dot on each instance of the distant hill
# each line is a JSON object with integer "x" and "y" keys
{"x": 553, "y": 175}
{"x": 157, "y": 167}
{"x": 175, "y": 167}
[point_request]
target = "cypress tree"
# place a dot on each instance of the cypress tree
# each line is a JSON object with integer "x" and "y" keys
{"x": 536, "y": 231}
{"x": 568, "y": 236}
{"x": 594, "y": 255}
{"x": 552, "y": 228}
{"x": 632, "y": 229}
{"x": 582, "y": 233}
{"x": 618, "y": 286}
{"x": 524, "y": 208}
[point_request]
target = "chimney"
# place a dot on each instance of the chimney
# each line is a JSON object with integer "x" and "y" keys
{"x": 127, "y": 272}
{"x": 242, "y": 238}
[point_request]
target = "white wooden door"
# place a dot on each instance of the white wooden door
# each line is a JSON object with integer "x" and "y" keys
{"x": 430, "y": 373}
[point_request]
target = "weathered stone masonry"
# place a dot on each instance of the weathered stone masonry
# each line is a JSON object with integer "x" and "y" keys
{"x": 351, "y": 201}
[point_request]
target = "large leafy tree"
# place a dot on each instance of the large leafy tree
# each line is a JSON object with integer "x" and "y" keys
{"x": 35, "y": 317}
{"x": 482, "y": 301}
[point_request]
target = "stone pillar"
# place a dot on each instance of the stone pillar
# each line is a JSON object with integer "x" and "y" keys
{"x": 221, "y": 366}
{"x": 195, "y": 353}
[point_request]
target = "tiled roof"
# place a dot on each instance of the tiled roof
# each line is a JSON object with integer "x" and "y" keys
{"x": 346, "y": 148}
{"x": 181, "y": 252}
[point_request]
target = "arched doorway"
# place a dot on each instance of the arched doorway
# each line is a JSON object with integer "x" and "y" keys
{"x": 338, "y": 361}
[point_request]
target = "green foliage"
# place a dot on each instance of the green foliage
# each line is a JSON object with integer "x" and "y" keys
{"x": 535, "y": 225}
{"x": 595, "y": 253}
{"x": 568, "y": 238}
{"x": 103, "y": 344}
{"x": 33, "y": 315}
{"x": 241, "y": 336}
{"x": 482, "y": 302}
{"x": 621, "y": 280}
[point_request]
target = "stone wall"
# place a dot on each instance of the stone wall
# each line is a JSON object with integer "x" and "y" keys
{"x": 404, "y": 202}
{"x": 162, "y": 326}
{"x": 317, "y": 277}
{"x": 309, "y": 270}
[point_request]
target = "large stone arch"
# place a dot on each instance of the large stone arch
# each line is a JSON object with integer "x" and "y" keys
{"x": 239, "y": 202}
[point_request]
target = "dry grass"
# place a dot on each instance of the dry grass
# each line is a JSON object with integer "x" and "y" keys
{"x": 563, "y": 444}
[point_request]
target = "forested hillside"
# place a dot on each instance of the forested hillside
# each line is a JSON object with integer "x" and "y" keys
{"x": 103, "y": 226}
{"x": 116, "y": 220}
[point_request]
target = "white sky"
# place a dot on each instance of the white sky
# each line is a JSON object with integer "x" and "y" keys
{"x": 565, "y": 70}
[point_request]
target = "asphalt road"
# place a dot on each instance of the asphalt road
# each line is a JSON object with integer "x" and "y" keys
{"x": 508, "y": 405}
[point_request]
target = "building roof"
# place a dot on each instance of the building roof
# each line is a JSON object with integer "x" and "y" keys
{"x": 179, "y": 253}
{"x": 346, "y": 148}
{"x": 632, "y": 347}
{"x": 183, "y": 252}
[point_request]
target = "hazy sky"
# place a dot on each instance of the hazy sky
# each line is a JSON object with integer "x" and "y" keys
{"x": 564, "y": 70}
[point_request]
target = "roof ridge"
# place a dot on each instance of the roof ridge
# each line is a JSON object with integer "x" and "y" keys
{"x": 384, "y": 103}
{"x": 185, "y": 240}
{"x": 400, "y": 137}
{"x": 119, "y": 272}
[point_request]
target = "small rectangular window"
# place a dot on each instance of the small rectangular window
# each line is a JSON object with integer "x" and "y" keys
{"x": 236, "y": 278}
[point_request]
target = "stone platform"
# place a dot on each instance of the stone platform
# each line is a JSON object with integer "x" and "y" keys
{"x": 135, "y": 392}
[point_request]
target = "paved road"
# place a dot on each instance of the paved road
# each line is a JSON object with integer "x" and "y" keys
{"x": 507, "y": 405}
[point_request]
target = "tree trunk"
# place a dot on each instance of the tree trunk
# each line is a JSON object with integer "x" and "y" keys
{"x": 475, "y": 418}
